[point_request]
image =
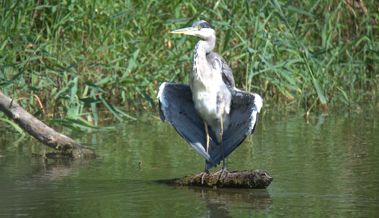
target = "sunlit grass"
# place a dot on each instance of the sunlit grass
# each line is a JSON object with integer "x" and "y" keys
{"x": 73, "y": 60}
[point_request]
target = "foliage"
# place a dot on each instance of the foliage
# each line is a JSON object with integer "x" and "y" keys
{"x": 72, "y": 59}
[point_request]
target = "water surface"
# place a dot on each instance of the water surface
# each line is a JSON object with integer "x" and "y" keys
{"x": 327, "y": 167}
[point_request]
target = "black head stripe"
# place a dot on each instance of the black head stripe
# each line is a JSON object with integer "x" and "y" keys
{"x": 202, "y": 24}
{"x": 205, "y": 25}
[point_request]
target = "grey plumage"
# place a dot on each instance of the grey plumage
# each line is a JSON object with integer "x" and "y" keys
{"x": 210, "y": 114}
{"x": 227, "y": 74}
{"x": 177, "y": 108}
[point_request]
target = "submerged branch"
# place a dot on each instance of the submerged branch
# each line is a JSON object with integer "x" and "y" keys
{"x": 253, "y": 179}
{"x": 65, "y": 146}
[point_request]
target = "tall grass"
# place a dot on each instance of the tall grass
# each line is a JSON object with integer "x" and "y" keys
{"x": 84, "y": 61}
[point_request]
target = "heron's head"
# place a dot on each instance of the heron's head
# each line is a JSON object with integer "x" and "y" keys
{"x": 201, "y": 29}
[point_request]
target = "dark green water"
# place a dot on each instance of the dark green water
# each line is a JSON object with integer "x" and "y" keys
{"x": 326, "y": 168}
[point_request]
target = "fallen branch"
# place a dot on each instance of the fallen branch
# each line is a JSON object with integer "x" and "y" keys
{"x": 66, "y": 146}
{"x": 254, "y": 179}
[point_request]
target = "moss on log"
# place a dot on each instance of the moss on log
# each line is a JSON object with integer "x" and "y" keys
{"x": 252, "y": 179}
{"x": 65, "y": 146}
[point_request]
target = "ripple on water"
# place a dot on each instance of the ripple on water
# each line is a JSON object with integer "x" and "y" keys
{"x": 327, "y": 167}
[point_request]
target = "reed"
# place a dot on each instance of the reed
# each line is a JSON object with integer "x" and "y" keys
{"x": 76, "y": 62}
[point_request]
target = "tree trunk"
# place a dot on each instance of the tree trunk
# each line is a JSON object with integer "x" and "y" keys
{"x": 65, "y": 146}
{"x": 253, "y": 179}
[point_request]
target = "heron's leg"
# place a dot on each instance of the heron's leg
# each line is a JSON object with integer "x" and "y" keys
{"x": 206, "y": 136}
{"x": 207, "y": 143}
{"x": 206, "y": 148}
{"x": 222, "y": 143}
{"x": 223, "y": 171}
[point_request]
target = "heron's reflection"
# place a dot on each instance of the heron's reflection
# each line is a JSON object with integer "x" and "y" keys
{"x": 218, "y": 201}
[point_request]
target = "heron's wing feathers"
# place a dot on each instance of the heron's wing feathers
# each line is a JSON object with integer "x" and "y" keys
{"x": 227, "y": 74}
{"x": 243, "y": 117}
{"x": 177, "y": 108}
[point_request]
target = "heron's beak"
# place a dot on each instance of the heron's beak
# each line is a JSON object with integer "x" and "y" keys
{"x": 186, "y": 31}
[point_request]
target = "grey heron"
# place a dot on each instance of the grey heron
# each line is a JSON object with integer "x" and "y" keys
{"x": 211, "y": 114}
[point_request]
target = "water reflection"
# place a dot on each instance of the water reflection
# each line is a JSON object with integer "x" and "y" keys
{"x": 56, "y": 170}
{"x": 327, "y": 167}
{"x": 219, "y": 202}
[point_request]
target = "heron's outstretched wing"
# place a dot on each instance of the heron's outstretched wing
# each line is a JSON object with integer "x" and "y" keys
{"x": 227, "y": 74}
{"x": 177, "y": 108}
{"x": 243, "y": 117}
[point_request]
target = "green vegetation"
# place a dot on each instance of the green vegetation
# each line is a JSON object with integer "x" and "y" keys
{"x": 70, "y": 60}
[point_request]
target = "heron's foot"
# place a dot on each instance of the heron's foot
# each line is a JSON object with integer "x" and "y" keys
{"x": 203, "y": 174}
{"x": 223, "y": 173}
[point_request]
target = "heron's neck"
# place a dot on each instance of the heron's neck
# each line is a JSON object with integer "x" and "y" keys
{"x": 201, "y": 67}
{"x": 206, "y": 45}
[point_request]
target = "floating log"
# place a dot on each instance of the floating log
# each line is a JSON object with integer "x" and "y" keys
{"x": 64, "y": 145}
{"x": 252, "y": 179}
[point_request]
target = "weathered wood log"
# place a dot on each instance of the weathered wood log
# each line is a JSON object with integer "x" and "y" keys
{"x": 65, "y": 146}
{"x": 253, "y": 179}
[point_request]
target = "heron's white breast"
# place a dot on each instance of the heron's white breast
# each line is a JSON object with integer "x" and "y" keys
{"x": 205, "y": 99}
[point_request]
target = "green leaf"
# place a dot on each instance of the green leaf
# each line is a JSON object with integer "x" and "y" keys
{"x": 14, "y": 125}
